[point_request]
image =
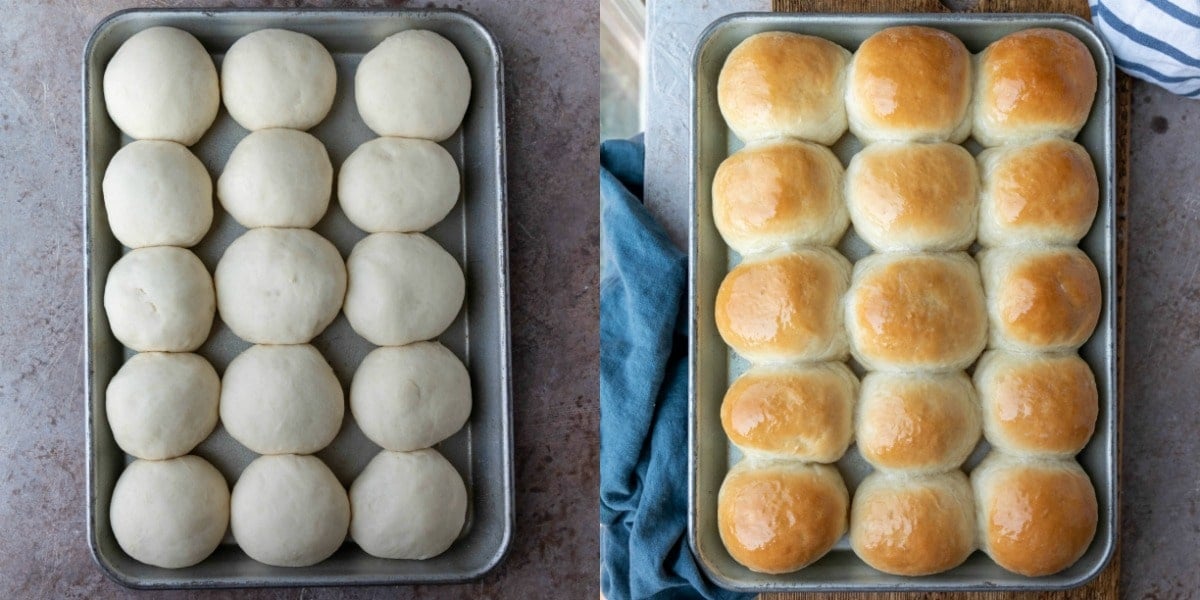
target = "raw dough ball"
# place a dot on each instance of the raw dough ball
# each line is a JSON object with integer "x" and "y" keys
{"x": 397, "y": 184}
{"x": 403, "y": 288}
{"x": 162, "y": 85}
{"x": 170, "y": 513}
{"x": 278, "y": 78}
{"x": 277, "y": 178}
{"x": 157, "y": 194}
{"x": 413, "y": 84}
{"x": 410, "y": 397}
{"x": 407, "y": 505}
{"x": 289, "y": 511}
{"x": 281, "y": 400}
{"x": 280, "y": 286}
{"x": 160, "y": 405}
{"x": 159, "y": 299}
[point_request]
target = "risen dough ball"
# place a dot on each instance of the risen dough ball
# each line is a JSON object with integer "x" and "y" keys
{"x": 162, "y": 85}
{"x": 409, "y": 505}
{"x": 403, "y": 288}
{"x": 160, "y": 405}
{"x": 157, "y": 194}
{"x": 413, "y": 84}
{"x": 397, "y": 184}
{"x": 410, "y": 397}
{"x": 289, "y": 511}
{"x": 280, "y": 286}
{"x": 170, "y": 513}
{"x": 281, "y": 400}
{"x": 278, "y": 78}
{"x": 159, "y": 299}
{"x": 277, "y": 178}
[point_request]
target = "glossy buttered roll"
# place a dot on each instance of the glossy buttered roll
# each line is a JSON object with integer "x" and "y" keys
{"x": 777, "y": 193}
{"x": 781, "y": 84}
{"x": 917, "y": 423}
{"x": 908, "y": 312}
{"x": 785, "y": 306}
{"x": 1040, "y": 299}
{"x": 795, "y": 413}
{"x": 910, "y": 83}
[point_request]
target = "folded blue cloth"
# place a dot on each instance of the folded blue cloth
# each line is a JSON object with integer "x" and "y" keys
{"x": 643, "y": 395}
{"x": 1154, "y": 40}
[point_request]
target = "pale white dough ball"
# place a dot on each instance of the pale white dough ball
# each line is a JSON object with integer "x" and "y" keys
{"x": 278, "y": 78}
{"x": 281, "y": 400}
{"x": 162, "y": 404}
{"x": 409, "y": 505}
{"x": 403, "y": 288}
{"x": 414, "y": 84}
{"x": 170, "y": 513}
{"x": 277, "y": 178}
{"x": 159, "y": 299}
{"x": 289, "y": 511}
{"x": 157, "y": 193}
{"x": 410, "y": 397}
{"x": 398, "y": 184}
{"x": 280, "y": 286}
{"x": 162, "y": 85}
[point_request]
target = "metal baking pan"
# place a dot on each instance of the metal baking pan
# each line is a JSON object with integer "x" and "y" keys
{"x": 474, "y": 232}
{"x": 713, "y": 365}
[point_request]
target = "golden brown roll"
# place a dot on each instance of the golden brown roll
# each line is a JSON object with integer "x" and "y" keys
{"x": 1045, "y": 192}
{"x": 917, "y": 423}
{"x": 1037, "y": 404}
{"x": 779, "y": 192}
{"x": 781, "y": 516}
{"x": 785, "y": 306}
{"x": 908, "y": 196}
{"x": 795, "y": 413}
{"x": 1035, "y": 517}
{"x": 1033, "y": 83}
{"x": 916, "y": 312}
{"x": 910, "y": 83}
{"x": 913, "y": 525}
{"x": 1040, "y": 299}
{"x": 778, "y": 84}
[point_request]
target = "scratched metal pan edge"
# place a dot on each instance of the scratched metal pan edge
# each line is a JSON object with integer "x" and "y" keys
{"x": 712, "y": 364}
{"x": 475, "y": 233}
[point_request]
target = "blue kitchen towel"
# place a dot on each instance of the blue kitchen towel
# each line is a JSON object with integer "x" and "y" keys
{"x": 643, "y": 395}
{"x": 1154, "y": 40}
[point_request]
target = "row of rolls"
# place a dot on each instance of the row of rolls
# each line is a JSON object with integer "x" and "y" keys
{"x": 955, "y": 343}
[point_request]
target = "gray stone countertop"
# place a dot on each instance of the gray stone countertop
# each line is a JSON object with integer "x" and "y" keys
{"x": 1160, "y": 511}
{"x": 551, "y": 72}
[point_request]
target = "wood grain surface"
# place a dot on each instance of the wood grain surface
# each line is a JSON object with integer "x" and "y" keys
{"x": 1107, "y": 584}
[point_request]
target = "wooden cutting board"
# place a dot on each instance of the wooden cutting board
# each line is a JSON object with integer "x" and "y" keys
{"x": 1107, "y": 584}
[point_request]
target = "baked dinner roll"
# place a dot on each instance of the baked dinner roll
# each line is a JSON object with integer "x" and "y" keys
{"x": 913, "y": 525}
{"x": 779, "y": 517}
{"x": 908, "y": 196}
{"x": 1035, "y": 517}
{"x": 1033, "y": 83}
{"x": 795, "y": 413}
{"x": 785, "y": 306}
{"x": 1037, "y": 404}
{"x": 778, "y": 84}
{"x": 1040, "y": 299}
{"x": 1045, "y": 192}
{"x": 779, "y": 192}
{"x": 910, "y": 83}
{"x": 917, "y": 423}
{"x": 916, "y": 312}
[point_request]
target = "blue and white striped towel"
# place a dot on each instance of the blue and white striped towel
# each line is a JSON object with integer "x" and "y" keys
{"x": 1154, "y": 40}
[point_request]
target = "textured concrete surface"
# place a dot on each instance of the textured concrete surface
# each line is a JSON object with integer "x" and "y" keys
{"x": 1160, "y": 521}
{"x": 551, "y": 68}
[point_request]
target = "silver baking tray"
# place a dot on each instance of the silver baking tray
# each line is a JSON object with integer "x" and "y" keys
{"x": 475, "y": 233}
{"x": 713, "y": 365}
